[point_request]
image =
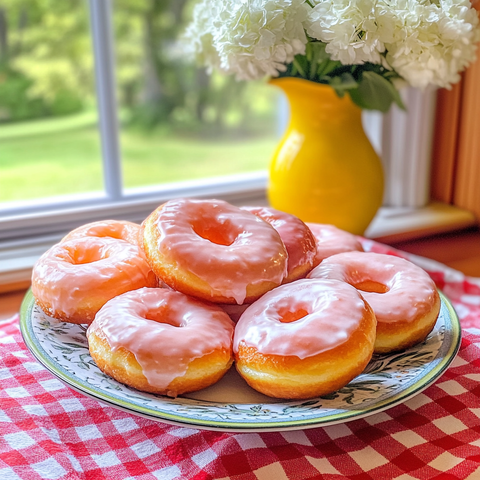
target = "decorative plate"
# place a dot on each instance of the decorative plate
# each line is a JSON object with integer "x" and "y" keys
{"x": 231, "y": 405}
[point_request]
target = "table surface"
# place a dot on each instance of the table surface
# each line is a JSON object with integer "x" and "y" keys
{"x": 459, "y": 249}
{"x": 49, "y": 431}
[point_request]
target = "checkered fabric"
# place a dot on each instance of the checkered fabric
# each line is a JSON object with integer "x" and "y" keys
{"x": 48, "y": 431}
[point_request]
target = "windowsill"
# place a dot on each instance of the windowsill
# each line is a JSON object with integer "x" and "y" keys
{"x": 390, "y": 225}
{"x": 394, "y": 224}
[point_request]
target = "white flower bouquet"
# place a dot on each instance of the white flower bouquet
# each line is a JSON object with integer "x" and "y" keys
{"x": 361, "y": 47}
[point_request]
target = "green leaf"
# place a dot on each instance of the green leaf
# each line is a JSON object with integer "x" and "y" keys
{"x": 318, "y": 53}
{"x": 327, "y": 66}
{"x": 374, "y": 92}
{"x": 343, "y": 83}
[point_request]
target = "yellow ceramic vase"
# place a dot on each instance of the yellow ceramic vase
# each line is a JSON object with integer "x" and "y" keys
{"x": 325, "y": 170}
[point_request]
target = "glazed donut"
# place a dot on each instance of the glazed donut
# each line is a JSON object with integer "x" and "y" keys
{"x": 121, "y": 230}
{"x": 212, "y": 250}
{"x": 296, "y": 236}
{"x": 402, "y": 295}
{"x": 73, "y": 279}
{"x": 331, "y": 240}
{"x": 160, "y": 341}
{"x": 304, "y": 339}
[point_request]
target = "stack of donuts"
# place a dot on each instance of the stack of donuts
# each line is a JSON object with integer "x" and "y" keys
{"x": 171, "y": 304}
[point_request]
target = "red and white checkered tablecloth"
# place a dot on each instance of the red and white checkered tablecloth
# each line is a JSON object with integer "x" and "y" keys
{"x": 48, "y": 431}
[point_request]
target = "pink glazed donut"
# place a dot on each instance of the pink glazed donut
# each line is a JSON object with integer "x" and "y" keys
{"x": 160, "y": 341}
{"x": 304, "y": 339}
{"x": 331, "y": 240}
{"x": 214, "y": 251}
{"x": 119, "y": 229}
{"x": 402, "y": 295}
{"x": 74, "y": 279}
{"x": 296, "y": 236}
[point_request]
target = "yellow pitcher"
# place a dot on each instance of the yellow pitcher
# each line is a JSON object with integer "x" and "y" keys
{"x": 325, "y": 169}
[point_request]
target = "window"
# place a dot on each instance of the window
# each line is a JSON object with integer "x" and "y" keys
{"x": 48, "y": 114}
{"x": 166, "y": 128}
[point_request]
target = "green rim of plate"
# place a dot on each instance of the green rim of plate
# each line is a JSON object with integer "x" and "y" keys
{"x": 33, "y": 344}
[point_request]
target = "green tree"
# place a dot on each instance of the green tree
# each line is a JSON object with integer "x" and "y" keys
{"x": 45, "y": 58}
{"x": 158, "y": 84}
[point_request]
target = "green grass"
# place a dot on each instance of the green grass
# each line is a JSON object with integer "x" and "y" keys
{"x": 161, "y": 160}
{"x": 48, "y": 125}
{"x": 39, "y": 164}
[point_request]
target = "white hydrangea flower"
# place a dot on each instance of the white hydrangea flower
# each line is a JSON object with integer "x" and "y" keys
{"x": 349, "y": 28}
{"x": 249, "y": 38}
{"x": 428, "y": 42}
{"x": 197, "y": 40}
{"x": 425, "y": 41}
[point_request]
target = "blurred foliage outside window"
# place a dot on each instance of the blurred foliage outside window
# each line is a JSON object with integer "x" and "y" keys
{"x": 47, "y": 72}
{"x": 45, "y": 59}
{"x": 158, "y": 84}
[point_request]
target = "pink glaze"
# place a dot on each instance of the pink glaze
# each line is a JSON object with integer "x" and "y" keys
{"x": 297, "y": 237}
{"x": 165, "y": 330}
{"x": 331, "y": 240}
{"x": 222, "y": 245}
{"x": 334, "y": 310}
{"x": 411, "y": 292}
{"x": 72, "y": 272}
{"x": 121, "y": 230}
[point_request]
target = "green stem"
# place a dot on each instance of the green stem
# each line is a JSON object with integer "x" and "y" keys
{"x": 299, "y": 68}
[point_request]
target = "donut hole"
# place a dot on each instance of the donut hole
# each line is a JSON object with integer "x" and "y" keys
{"x": 163, "y": 315}
{"x": 80, "y": 255}
{"x": 215, "y": 232}
{"x": 287, "y": 316}
{"x": 371, "y": 286}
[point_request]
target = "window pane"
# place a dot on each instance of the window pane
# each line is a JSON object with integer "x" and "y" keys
{"x": 49, "y": 142}
{"x": 178, "y": 122}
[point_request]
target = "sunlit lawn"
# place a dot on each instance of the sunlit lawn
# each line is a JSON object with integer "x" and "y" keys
{"x": 69, "y": 162}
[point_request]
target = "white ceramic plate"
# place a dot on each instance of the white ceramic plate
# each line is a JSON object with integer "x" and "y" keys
{"x": 231, "y": 405}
